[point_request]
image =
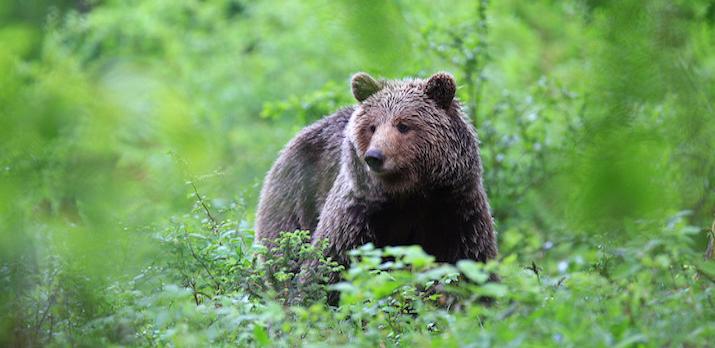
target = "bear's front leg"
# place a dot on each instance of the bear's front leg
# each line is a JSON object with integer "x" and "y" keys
{"x": 477, "y": 239}
{"x": 343, "y": 224}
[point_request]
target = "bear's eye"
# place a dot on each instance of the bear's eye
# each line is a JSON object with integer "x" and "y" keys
{"x": 403, "y": 128}
{"x": 372, "y": 129}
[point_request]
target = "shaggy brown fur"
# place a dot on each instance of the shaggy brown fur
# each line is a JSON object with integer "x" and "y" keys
{"x": 427, "y": 189}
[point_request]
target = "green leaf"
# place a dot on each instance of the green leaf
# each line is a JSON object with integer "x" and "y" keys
{"x": 707, "y": 267}
{"x": 493, "y": 290}
{"x": 473, "y": 270}
{"x": 261, "y": 336}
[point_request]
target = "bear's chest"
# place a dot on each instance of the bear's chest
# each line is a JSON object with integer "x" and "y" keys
{"x": 431, "y": 223}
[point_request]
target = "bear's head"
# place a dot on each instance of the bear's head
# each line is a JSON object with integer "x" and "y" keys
{"x": 409, "y": 133}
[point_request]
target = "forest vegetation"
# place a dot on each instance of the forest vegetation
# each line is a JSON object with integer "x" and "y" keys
{"x": 134, "y": 137}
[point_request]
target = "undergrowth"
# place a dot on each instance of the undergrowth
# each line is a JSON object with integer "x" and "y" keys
{"x": 211, "y": 284}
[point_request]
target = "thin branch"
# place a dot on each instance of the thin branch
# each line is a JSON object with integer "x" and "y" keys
{"x": 50, "y": 302}
{"x": 711, "y": 241}
{"x": 192, "y": 284}
{"x": 534, "y": 268}
{"x": 201, "y": 262}
{"x": 214, "y": 222}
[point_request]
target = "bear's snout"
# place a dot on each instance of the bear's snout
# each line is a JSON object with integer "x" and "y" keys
{"x": 374, "y": 159}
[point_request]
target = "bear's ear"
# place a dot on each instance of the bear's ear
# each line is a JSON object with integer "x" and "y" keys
{"x": 364, "y": 86}
{"x": 441, "y": 88}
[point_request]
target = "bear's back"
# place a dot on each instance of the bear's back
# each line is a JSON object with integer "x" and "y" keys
{"x": 296, "y": 186}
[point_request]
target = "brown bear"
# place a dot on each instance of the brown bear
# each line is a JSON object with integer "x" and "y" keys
{"x": 401, "y": 167}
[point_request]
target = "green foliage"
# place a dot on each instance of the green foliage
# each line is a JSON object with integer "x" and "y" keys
{"x": 307, "y": 108}
{"x": 208, "y": 285}
{"x": 595, "y": 122}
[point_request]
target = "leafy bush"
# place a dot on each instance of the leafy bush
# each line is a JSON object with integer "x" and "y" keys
{"x": 211, "y": 284}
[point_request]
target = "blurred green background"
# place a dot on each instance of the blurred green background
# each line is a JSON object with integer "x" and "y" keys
{"x": 596, "y": 122}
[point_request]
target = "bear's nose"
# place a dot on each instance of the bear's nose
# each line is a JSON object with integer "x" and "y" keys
{"x": 374, "y": 159}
